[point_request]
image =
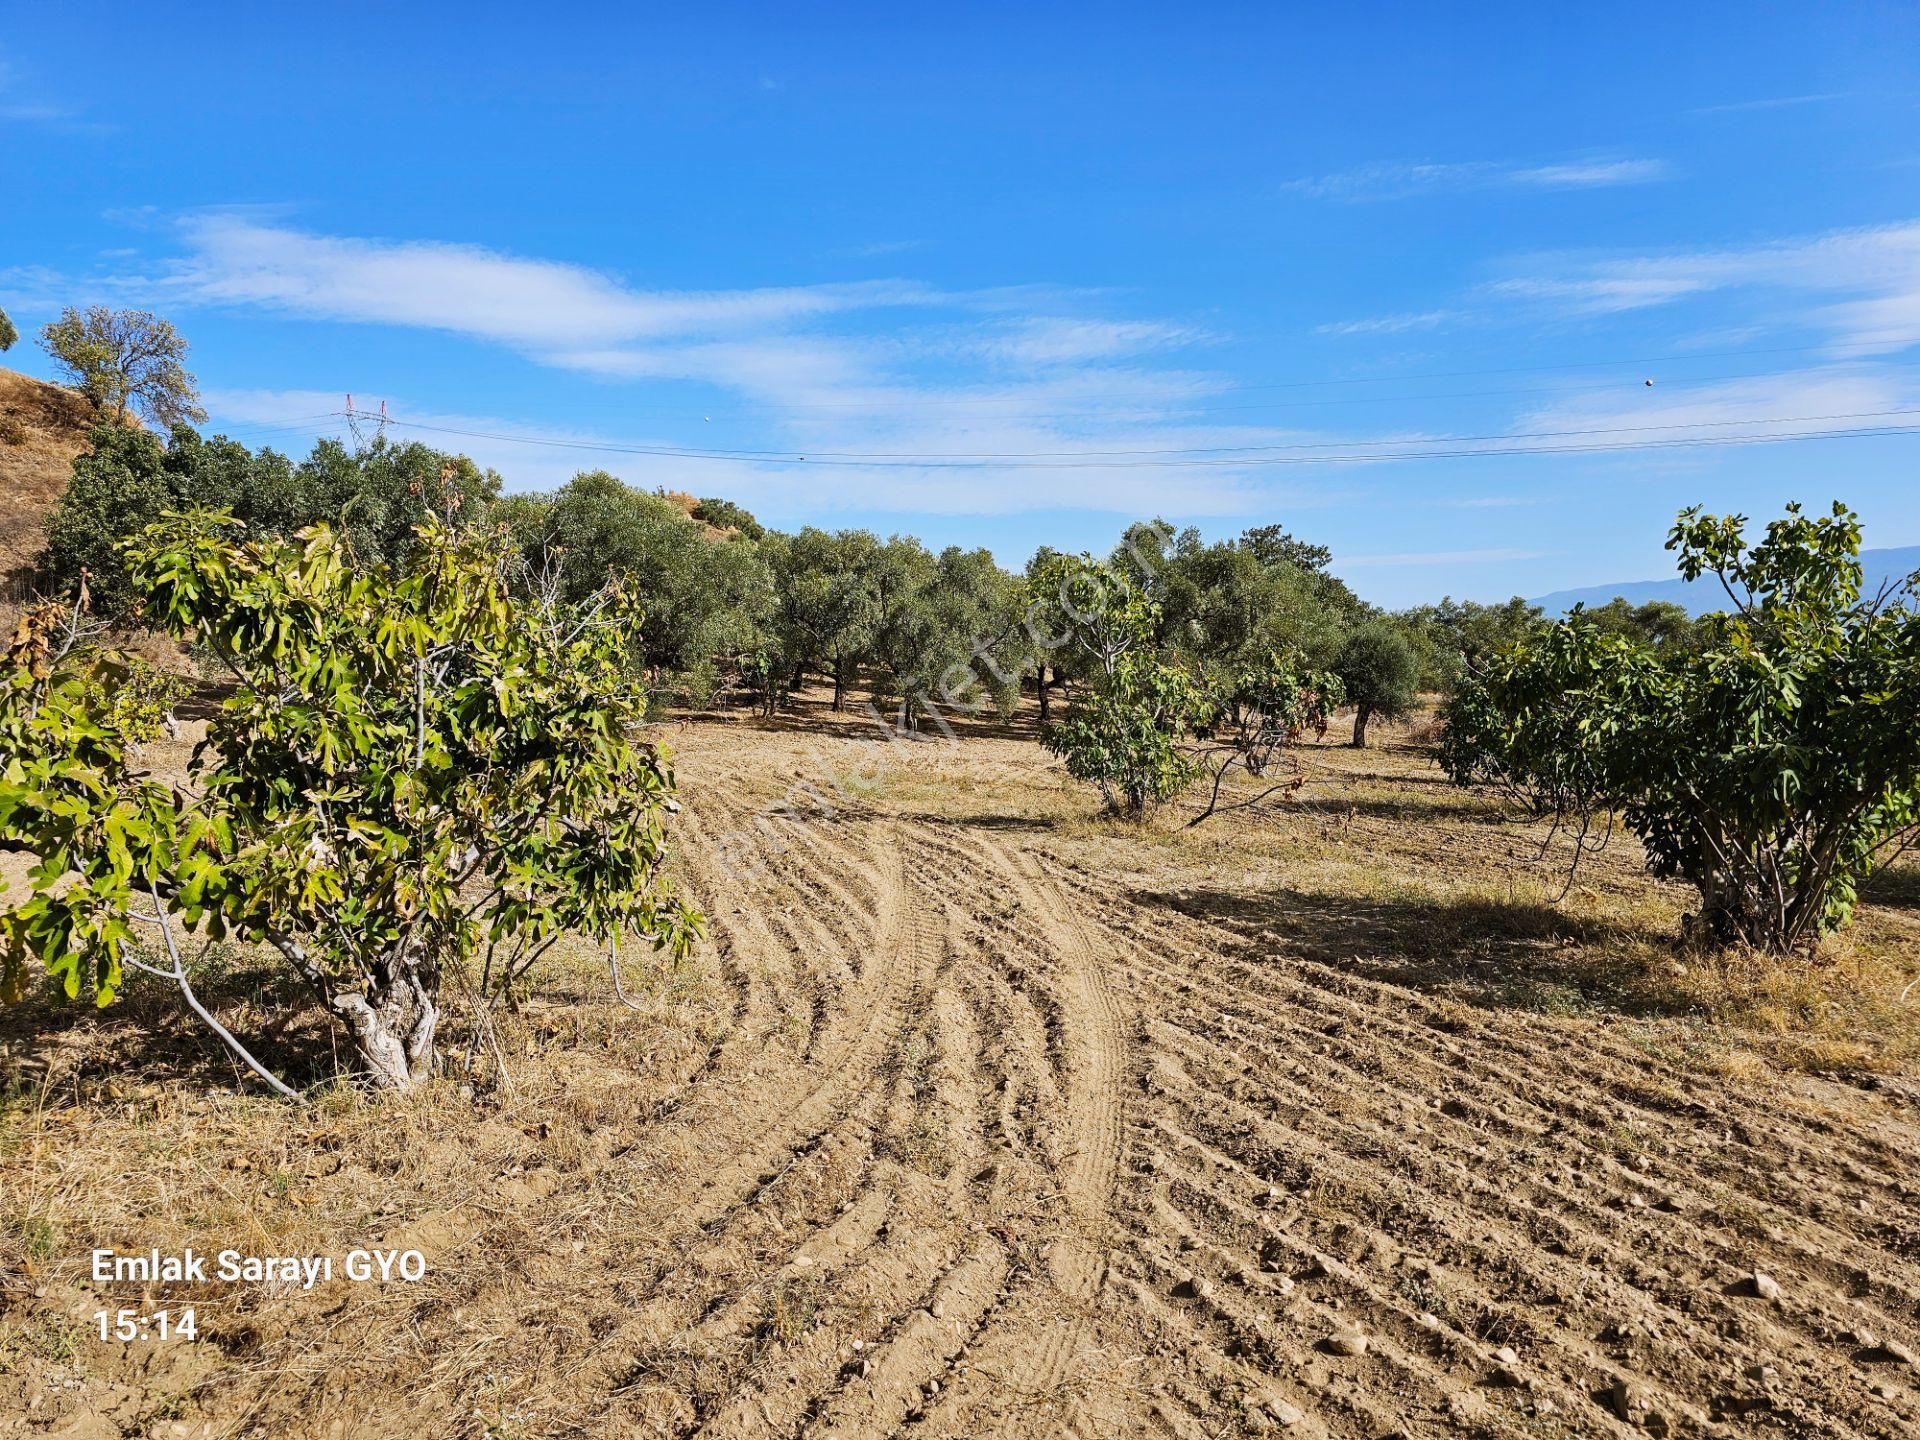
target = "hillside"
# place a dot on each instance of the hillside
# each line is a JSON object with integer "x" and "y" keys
{"x": 33, "y": 472}
{"x": 1702, "y": 596}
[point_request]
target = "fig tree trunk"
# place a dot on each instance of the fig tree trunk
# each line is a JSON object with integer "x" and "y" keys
{"x": 392, "y": 1017}
{"x": 393, "y": 1030}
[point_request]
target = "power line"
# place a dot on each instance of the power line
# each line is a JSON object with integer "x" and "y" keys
{"x": 1862, "y": 347}
{"x": 1189, "y": 451}
{"x": 1175, "y": 405}
{"x": 1473, "y": 446}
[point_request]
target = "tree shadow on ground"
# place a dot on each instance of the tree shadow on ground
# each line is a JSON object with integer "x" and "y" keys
{"x": 1895, "y": 886}
{"x": 1491, "y": 953}
{"x": 818, "y": 717}
{"x": 986, "y": 820}
{"x": 1465, "y": 806}
{"x": 49, "y": 1044}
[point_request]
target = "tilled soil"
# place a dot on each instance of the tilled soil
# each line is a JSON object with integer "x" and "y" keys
{"x": 992, "y": 1141}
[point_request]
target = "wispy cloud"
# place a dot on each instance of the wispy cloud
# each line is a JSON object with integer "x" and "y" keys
{"x": 1777, "y": 102}
{"x": 537, "y": 305}
{"x": 877, "y": 249}
{"x": 1862, "y": 285}
{"x": 1600, "y": 293}
{"x": 1057, "y": 340}
{"x": 19, "y": 105}
{"x": 1393, "y": 324}
{"x": 1810, "y": 400}
{"x": 1400, "y": 180}
{"x": 1589, "y": 174}
{"x": 1060, "y": 409}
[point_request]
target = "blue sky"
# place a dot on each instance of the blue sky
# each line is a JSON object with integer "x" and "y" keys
{"x": 1021, "y": 273}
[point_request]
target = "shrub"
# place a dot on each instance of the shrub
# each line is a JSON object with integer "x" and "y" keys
{"x": 1769, "y": 765}
{"x": 415, "y": 773}
{"x": 1252, "y": 718}
{"x": 1125, "y": 735}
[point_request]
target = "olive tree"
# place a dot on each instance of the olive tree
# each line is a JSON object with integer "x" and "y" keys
{"x": 126, "y": 360}
{"x": 827, "y": 602}
{"x": 129, "y": 478}
{"x": 416, "y": 772}
{"x": 1378, "y": 669}
{"x": 945, "y": 630}
{"x": 701, "y": 589}
{"x": 1771, "y": 764}
{"x": 8, "y": 335}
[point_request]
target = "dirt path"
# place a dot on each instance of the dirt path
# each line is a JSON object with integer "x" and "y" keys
{"x": 1207, "y": 1166}
{"x": 988, "y": 1138}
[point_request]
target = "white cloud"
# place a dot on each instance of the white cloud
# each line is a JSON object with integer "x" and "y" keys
{"x": 875, "y": 249}
{"x": 1862, "y": 285}
{"x": 1045, "y": 340}
{"x": 1393, "y": 324}
{"x": 1600, "y": 294}
{"x": 1588, "y": 174}
{"x": 1775, "y": 103}
{"x": 1051, "y": 472}
{"x": 812, "y": 371}
{"x": 1399, "y": 180}
{"x": 1813, "y": 400}
{"x": 540, "y": 306}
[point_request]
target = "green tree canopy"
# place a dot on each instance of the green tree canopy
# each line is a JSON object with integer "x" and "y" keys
{"x": 8, "y": 335}
{"x": 1770, "y": 765}
{"x": 946, "y": 630}
{"x": 725, "y": 515}
{"x": 703, "y": 594}
{"x": 1224, "y": 605}
{"x": 827, "y": 602}
{"x": 1378, "y": 669}
{"x": 1655, "y": 624}
{"x": 1456, "y": 636}
{"x": 415, "y": 771}
{"x": 131, "y": 478}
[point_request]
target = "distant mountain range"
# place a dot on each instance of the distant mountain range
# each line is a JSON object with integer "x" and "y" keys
{"x": 1705, "y": 595}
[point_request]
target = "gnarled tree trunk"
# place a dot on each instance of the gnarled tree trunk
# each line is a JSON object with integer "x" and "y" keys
{"x": 393, "y": 1030}
{"x": 393, "y": 1019}
{"x": 1361, "y": 714}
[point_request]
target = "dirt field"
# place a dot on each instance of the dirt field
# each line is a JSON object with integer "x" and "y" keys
{"x": 980, "y": 1116}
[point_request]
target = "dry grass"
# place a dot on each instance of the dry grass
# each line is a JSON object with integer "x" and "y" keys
{"x": 1380, "y": 865}
{"x": 126, "y": 1128}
